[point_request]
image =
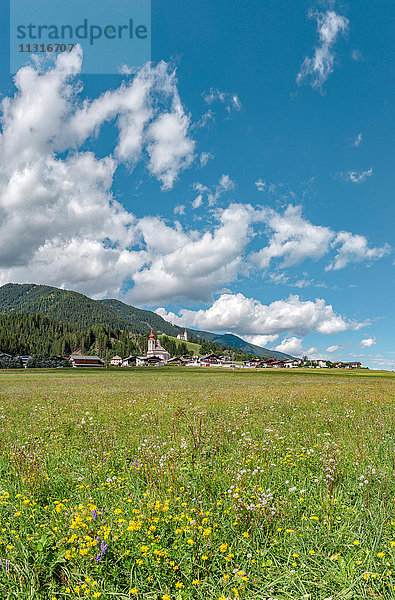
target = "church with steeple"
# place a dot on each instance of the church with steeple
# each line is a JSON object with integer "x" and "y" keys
{"x": 155, "y": 349}
{"x": 183, "y": 336}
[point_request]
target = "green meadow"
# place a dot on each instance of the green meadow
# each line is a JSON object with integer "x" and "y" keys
{"x": 190, "y": 345}
{"x": 172, "y": 484}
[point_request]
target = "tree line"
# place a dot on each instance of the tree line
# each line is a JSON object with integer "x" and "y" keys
{"x": 46, "y": 339}
{"x": 35, "y": 334}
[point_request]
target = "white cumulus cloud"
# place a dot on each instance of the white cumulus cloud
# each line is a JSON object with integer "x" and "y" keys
{"x": 260, "y": 340}
{"x": 320, "y": 66}
{"x": 356, "y": 176}
{"x": 204, "y": 158}
{"x": 333, "y": 348}
{"x": 249, "y": 317}
{"x": 294, "y": 346}
{"x": 368, "y": 342}
{"x": 224, "y": 185}
{"x": 60, "y": 223}
{"x": 358, "y": 140}
{"x": 292, "y": 238}
{"x": 196, "y": 263}
{"x": 179, "y": 209}
{"x": 230, "y": 101}
{"x": 261, "y": 185}
{"x": 169, "y": 147}
{"x": 352, "y": 248}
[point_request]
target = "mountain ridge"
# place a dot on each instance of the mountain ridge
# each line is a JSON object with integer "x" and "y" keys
{"x": 79, "y": 310}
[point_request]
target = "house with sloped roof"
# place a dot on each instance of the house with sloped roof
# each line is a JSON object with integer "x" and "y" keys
{"x": 210, "y": 360}
{"x": 129, "y": 360}
{"x": 116, "y": 361}
{"x": 76, "y": 360}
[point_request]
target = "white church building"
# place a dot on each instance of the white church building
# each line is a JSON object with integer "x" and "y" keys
{"x": 183, "y": 336}
{"x": 156, "y": 350}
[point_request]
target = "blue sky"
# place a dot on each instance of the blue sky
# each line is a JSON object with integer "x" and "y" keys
{"x": 259, "y": 199}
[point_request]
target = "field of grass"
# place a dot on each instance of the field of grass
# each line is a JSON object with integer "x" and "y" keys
{"x": 175, "y": 484}
{"x": 190, "y": 345}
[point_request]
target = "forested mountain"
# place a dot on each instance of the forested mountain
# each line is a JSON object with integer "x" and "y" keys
{"x": 62, "y": 305}
{"x": 83, "y": 313}
{"x": 140, "y": 319}
{"x": 38, "y": 334}
{"x": 79, "y": 310}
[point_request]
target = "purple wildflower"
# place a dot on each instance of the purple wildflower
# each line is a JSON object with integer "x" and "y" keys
{"x": 94, "y": 515}
{"x": 7, "y": 566}
{"x": 103, "y": 550}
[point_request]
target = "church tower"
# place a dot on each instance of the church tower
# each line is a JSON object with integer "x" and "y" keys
{"x": 151, "y": 342}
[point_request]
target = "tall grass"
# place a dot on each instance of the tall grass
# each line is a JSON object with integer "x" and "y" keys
{"x": 205, "y": 485}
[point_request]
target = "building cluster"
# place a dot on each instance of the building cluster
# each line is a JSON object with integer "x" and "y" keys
{"x": 293, "y": 363}
{"x": 158, "y": 356}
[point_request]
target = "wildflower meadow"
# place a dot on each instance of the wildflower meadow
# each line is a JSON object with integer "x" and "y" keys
{"x": 171, "y": 484}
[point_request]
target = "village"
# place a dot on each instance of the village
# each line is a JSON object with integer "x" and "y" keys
{"x": 157, "y": 356}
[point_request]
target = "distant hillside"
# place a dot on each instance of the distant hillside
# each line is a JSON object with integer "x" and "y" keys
{"x": 79, "y": 310}
{"x": 141, "y": 319}
{"x": 233, "y": 341}
{"x": 75, "y": 309}
{"x": 62, "y": 305}
{"x": 195, "y": 348}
